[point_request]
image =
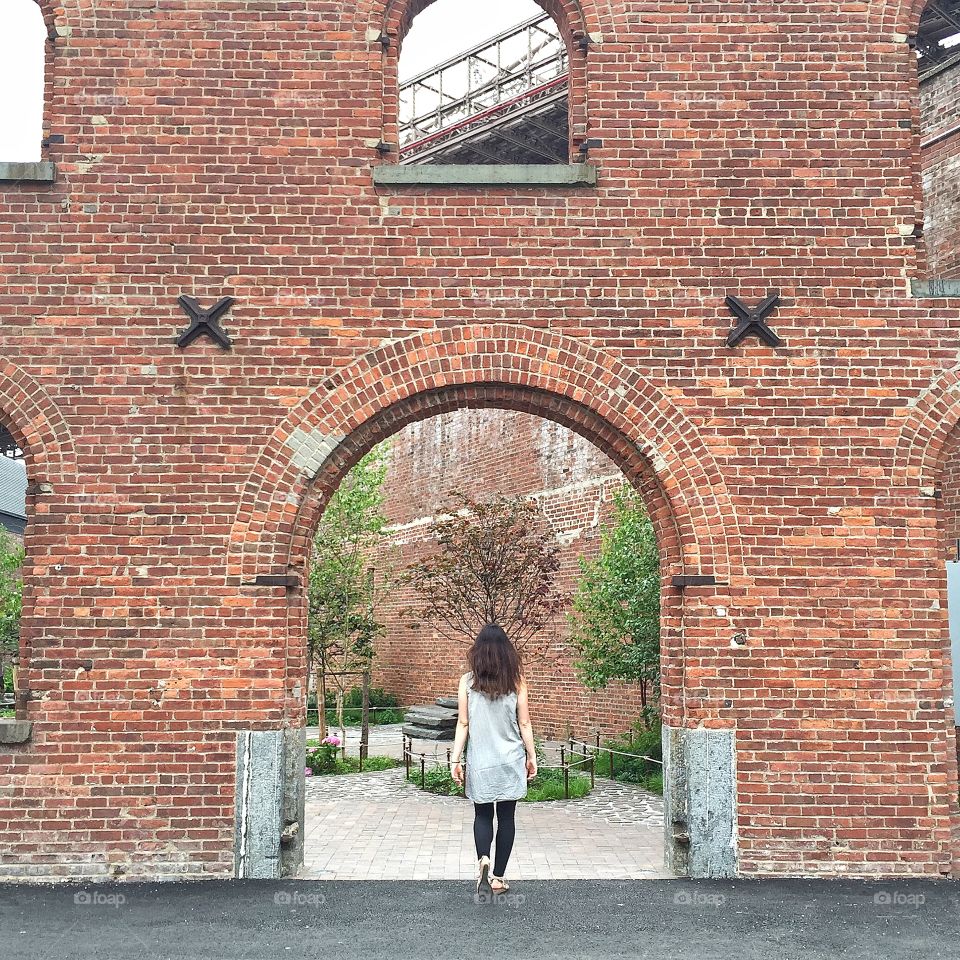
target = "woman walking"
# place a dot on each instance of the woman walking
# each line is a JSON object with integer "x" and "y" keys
{"x": 501, "y": 756}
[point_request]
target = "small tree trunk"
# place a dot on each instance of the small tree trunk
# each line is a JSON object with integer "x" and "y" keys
{"x": 321, "y": 692}
{"x": 365, "y": 720}
{"x": 340, "y": 722}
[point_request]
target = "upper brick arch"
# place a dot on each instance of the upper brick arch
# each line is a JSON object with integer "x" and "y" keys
{"x": 924, "y": 432}
{"x": 575, "y": 17}
{"x": 899, "y": 16}
{"x": 494, "y": 361}
{"x": 32, "y": 417}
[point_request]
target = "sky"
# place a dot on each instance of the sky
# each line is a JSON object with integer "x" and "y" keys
{"x": 448, "y": 27}
{"x": 441, "y": 31}
{"x": 22, "y": 37}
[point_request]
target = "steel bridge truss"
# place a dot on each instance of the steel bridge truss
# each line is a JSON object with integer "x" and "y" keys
{"x": 502, "y": 101}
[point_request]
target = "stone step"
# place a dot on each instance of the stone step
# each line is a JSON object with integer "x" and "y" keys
{"x": 430, "y": 722}
{"x": 451, "y": 703}
{"x": 427, "y": 733}
{"x": 430, "y": 710}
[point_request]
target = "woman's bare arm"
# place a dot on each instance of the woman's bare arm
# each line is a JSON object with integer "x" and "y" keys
{"x": 526, "y": 729}
{"x": 463, "y": 726}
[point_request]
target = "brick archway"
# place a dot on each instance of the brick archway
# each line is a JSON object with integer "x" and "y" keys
{"x": 560, "y": 377}
{"x": 541, "y": 372}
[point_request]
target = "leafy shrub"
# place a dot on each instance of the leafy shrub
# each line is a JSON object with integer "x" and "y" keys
{"x": 641, "y": 740}
{"x": 388, "y": 708}
{"x": 547, "y": 785}
{"x": 436, "y": 779}
{"x": 323, "y": 758}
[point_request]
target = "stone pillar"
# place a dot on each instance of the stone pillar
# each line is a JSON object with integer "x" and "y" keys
{"x": 700, "y": 808}
{"x": 268, "y": 841}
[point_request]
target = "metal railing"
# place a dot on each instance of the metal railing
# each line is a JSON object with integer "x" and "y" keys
{"x": 576, "y": 755}
{"x": 518, "y": 65}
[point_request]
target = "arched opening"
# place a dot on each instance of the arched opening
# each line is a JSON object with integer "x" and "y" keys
{"x": 13, "y": 531}
{"x": 488, "y": 446}
{"x": 938, "y": 66}
{"x": 949, "y": 503}
{"x": 22, "y": 69}
{"x": 484, "y": 84}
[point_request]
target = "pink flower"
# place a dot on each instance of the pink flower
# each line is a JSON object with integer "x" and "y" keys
{"x": 332, "y": 741}
{"x": 308, "y": 772}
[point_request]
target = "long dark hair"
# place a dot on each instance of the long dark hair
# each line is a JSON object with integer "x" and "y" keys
{"x": 495, "y": 663}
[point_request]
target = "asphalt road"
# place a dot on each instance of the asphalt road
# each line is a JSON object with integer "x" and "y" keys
{"x": 261, "y": 920}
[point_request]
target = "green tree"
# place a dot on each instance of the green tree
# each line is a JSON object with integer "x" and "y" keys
{"x": 615, "y": 620}
{"x": 11, "y": 598}
{"x": 343, "y": 591}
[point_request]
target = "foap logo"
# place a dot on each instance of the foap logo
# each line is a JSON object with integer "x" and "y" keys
{"x": 514, "y": 900}
{"x": 898, "y": 898}
{"x": 297, "y": 898}
{"x": 696, "y": 898}
{"x": 98, "y": 898}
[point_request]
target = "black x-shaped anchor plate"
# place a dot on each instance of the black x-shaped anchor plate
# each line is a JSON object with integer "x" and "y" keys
{"x": 205, "y": 321}
{"x": 753, "y": 320}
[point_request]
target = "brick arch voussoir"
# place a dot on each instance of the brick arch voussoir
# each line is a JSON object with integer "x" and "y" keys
{"x": 487, "y": 359}
{"x": 925, "y": 431}
{"x": 49, "y": 10}
{"x": 575, "y": 17}
{"x": 898, "y": 16}
{"x": 35, "y": 421}
{"x": 522, "y": 398}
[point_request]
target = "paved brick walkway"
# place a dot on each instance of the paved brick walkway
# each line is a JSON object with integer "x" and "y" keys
{"x": 376, "y": 826}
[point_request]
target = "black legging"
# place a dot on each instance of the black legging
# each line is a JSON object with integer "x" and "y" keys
{"x": 506, "y": 831}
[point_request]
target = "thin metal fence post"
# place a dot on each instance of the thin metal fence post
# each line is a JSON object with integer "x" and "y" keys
{"x": 593, "y": 776}
{"x": 423, "y": 771}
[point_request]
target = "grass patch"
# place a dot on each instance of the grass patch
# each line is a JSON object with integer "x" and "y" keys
{"x": 351, "y": 765}
{"x": 548, "y": 785}
{"x": 11, "y": 714}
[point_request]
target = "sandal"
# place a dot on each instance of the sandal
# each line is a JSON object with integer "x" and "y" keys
{"x": 504, "y": 886}
{"x": 483, "y": 879}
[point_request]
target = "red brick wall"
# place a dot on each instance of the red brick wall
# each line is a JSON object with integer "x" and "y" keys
{"x": 745, "y": 148}
{"x": 940, "y": 133}
{"x": 486, "y": 453}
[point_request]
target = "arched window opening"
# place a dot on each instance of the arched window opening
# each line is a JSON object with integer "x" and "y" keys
{"x": 13, "y": 523}
{"x": 22, "y": 56}
{"x": 501, "y": 100}
{"x": 938, "y": 63}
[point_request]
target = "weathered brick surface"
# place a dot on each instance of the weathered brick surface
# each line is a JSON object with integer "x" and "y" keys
{"x": 940, "y": 133}
{"x": 217, "y": 147}
{"x": 489, "y": 452}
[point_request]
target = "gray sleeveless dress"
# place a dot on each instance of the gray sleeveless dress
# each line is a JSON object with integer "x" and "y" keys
{"x": 495, "y": 756}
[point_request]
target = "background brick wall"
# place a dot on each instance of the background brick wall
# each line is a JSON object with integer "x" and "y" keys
{"x": 215, "y": 149}
{"x": 485, "y": 453}
{"x": 940, "y": 118}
